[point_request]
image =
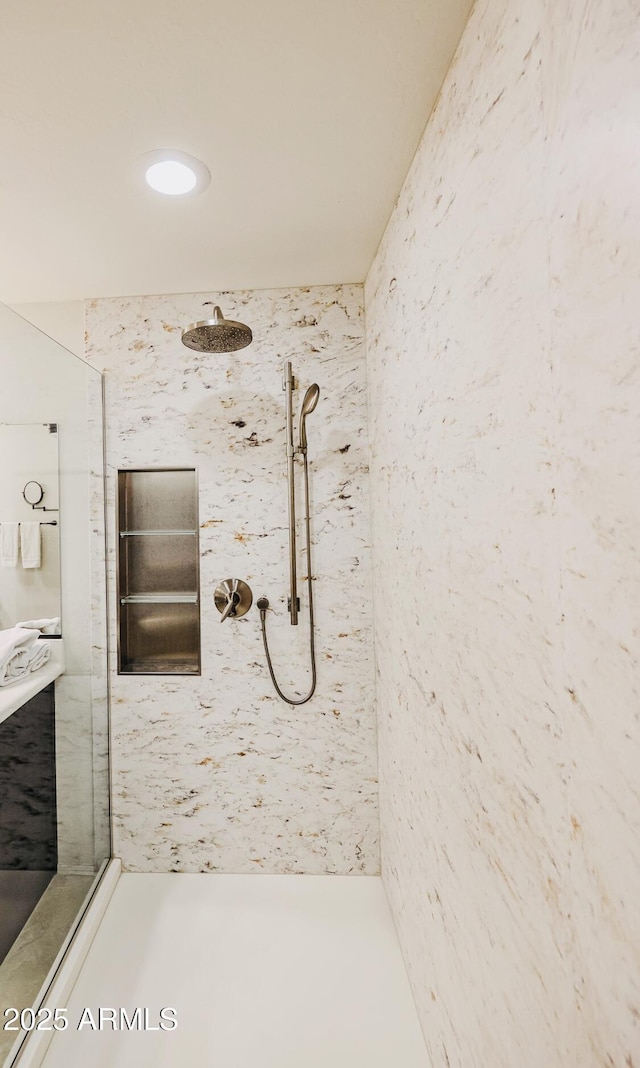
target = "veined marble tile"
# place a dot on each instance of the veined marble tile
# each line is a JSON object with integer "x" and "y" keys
{"x": 74, "y": 775}
{"x": 594, "y": 227}
{"x": 501, "y": 315}
{"x": 216, "y": 773}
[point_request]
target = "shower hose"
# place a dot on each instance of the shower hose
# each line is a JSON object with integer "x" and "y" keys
{"x": 263, "y": 604}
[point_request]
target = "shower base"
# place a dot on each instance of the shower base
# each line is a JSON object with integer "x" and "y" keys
{"x": 275, "y": 971}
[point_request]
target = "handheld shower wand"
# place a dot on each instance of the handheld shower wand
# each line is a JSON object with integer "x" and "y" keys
{"x": 308, "y": 405}
{"x": 311, "y": 398}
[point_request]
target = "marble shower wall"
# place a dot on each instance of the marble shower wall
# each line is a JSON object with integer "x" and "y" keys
{"x": 215, "y": 773}
{"x": 502, "y": 346}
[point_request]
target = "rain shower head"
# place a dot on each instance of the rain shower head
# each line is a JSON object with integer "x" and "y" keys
{"x": 216, "y": 334}
{"x": 311, "y": 398}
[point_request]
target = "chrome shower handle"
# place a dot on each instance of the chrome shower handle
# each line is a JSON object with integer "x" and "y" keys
{"x": 230, "y": 610}
{"x": 232, "y": 598}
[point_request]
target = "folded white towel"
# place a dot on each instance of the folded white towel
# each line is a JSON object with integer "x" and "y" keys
{"x": 20, "y": 653}
{"x": 16, "y": 638}
{"x": 30, "y": 544}
{"x": 38, "y": 655}
{"x": 23, "y": 662}
{"x": 16, "y": 668}
{"x": 9, "y": 544}
{"x": 47, "y": 626}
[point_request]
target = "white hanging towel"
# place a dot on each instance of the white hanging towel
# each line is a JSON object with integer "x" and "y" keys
{"x": 30, "y": 544}
{"x": 9, "y": 544}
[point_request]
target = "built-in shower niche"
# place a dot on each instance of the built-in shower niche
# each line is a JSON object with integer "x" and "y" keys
{"x": 158, "y": 572}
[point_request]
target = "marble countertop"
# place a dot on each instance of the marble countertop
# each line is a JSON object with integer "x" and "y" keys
{"x": 15, "y": 696}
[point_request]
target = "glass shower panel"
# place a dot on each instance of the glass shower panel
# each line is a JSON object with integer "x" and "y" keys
{"x": 54, "y": 774}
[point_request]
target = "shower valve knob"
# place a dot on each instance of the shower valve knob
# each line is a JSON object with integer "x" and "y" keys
{"x": 230, "y": 609}
{"x": 233, "y": 598}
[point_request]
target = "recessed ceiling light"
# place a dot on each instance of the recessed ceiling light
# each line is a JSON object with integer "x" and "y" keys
{"x": 171, "y": 177}
{"x": 174, "y": 173}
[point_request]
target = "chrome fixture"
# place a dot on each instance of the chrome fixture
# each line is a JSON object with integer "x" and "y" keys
{"x": 216, "y": 334}
{"x": 311, "y": 398}
{"x": 288, "y": 386}
{"x": 308, "y": 405}
{"x": 233, "y": 598}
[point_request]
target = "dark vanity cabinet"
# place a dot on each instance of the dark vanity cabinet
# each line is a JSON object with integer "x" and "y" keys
{"x": 28, "y": 812}
{"x": 158, "y": 572}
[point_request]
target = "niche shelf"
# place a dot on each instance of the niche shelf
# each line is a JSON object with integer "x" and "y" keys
{"x": 158, "y": 572}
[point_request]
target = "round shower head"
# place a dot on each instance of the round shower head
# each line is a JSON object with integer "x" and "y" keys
{"x": 217, "y": 334}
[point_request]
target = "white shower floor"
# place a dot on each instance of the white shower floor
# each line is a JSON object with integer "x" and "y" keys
{"x": 262, "y": 971}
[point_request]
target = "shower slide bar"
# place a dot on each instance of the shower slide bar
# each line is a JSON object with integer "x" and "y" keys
{"x": 288, "y": 386}
{"x": 308, "y": 405}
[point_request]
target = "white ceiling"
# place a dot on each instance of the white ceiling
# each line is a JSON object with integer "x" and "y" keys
{"x": 307, "y": 115}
